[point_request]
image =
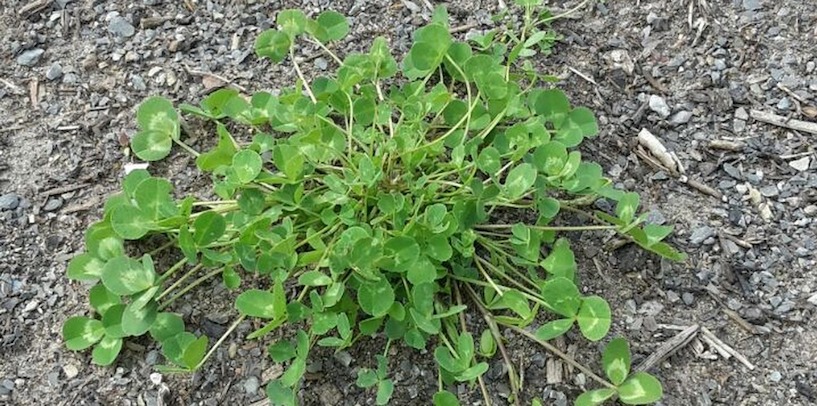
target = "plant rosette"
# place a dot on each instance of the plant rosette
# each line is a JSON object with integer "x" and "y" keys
{"x": 372, "y": 202}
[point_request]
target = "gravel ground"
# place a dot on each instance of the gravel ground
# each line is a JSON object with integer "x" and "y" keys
{"x": 690, "y": 72}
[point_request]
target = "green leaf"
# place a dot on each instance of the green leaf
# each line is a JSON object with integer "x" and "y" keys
{"x": 85, "y": 267}
{"x": 292, "y": 22}
{"x": 314, "y": 278}
{"x": 445, "y": 398}
{"x": 404, "y": 251}
{"x": 594, "y": 318}
{"x": 562, "y": 296}
{"x": 159, "y": 124}
{"x": 640, "y": 389}
{"x": 125, "y": 276}
{"x": 81, "y": 332}
{"x": 106, "y": 351}
{"x": 130, "y": 223}
{"x": 553, "y": 329}
{"x": 112, "y": 321}
{"x": 560, "y": 261}
{"x": 280, "y": 395}
{"x": 273, "y": 44}
{"x": 230, "y": 278}
{"x": 187, "y": 245}
{"x": 594, "y": 397}
{"x": 221, "y": 155}
{"x": 616, "y": 360}
{"x": 366, "y": 378}
{"x": 334, "y": 26}
{"x": 473, "y": 372}
{"x": 385, "y": 388}
{"x": 153, "y": 198}
{"x": 375, "y": 298}
{"x": 166, "y": 325}
{"x": 520, "y": 180}
{"x": 487, "y": 343}
{"x": 627, "y": 206}
{"x": 247, "y": 165}
{"x": 289, "y": 160}
{"x": 251, "y": 201}
{"x": 193, "y": 352}
{"x": 528, "y": 3}
{"x": 208, "y": 228}
{"x": 422, "y": 271}
{"x": 102, "y": 242}
{"x": 656, "y": 233}
{"x": 138, "y": 320}
{"x": 439, "y": 248}
{"x": 552, "y": 105}
{"x": 132, "y": 181}
{"x": 489, "y": 161}
{"x": 102, "y": 299}
{"x": 256, "y": 303}
{"x": 579, "y": 123}
{"x": 281, "y": 351}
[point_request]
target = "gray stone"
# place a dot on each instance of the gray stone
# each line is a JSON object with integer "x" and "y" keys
{"x": 784, "y": 104}
{"x": 30, "y": 57}
{"x": 53, "y": 204}
{"x": 70, "y": 371}
{"x": 681, "y": 117}
{"x": 6, "y": 386}
{"x": 775, "y": 376}
{"x": 251, "y": 385}
{"x": 120, "y": 27}
{"x": 741, "y": 114}
{"x": 9, "y": 201}
{"x": 688, "y": 298}
{"x": 659, "y": 105}
{"x": 801, "y": 164}
{"x": 700, "y": 234}
{"x": 769, "y": 191}
{"x": 138, "y": 83}
{"x": 54, "y": 71}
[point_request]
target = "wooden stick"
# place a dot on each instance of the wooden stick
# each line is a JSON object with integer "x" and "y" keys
{"x": 669, "y": 347}
{"x": 780, "y": 121}
{"x": 731, "y": 351}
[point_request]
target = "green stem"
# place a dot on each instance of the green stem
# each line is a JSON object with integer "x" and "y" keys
{"x": 179, "y": 281}
{"x": 512, "y": 377}
{"x": 561, "y": 355}
{"x": 301, "y": 76}
{"x": 170, "y": 271}
{"x": 162, "y": 247}
{"x": 546, "y": 228}
{"x": 562, "y": 15}
{"x": 187, "y": 288}
{"x": 187, "y": 148}
{"x": 220, "y": 341}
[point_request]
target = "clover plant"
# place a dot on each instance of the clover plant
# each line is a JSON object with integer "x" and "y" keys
{"x": 386, "y": 199}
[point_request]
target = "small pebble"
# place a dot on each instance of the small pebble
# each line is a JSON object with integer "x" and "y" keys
{"x": 251, "y": 385}
{"x": 9, "y": 201}
{"x": 700, "y": 234}
{"x": 801, "y": 164}
{"x": 681, "y": 117}
{"x": 659, "y": 105}
{"x": 54, "y": 71}
{"x": 121, "y": 27}
{"x": 70, "y": 371}
{"x": 30, "y": 57}
{"x": 775, "y": 376}
{"x": 688, "y": 298}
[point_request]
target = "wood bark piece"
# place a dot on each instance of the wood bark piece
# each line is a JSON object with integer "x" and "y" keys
{"x": 669, "y": 347}
{"x": 780, "y": 121}
{"x": 657, "y": 149}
